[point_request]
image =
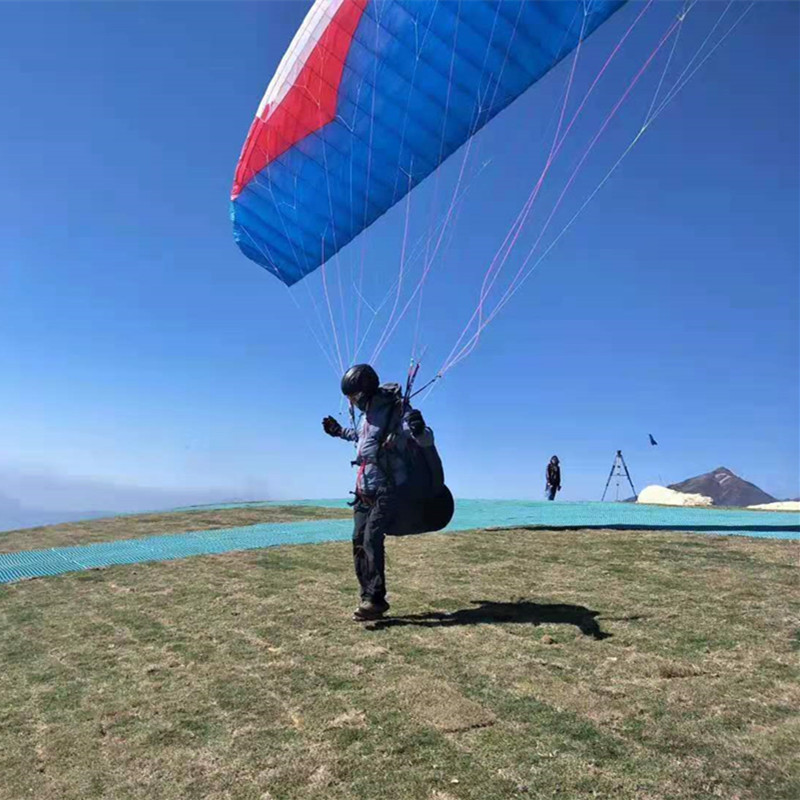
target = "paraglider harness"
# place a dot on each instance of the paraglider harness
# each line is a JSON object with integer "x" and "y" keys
{"x": 430, "y": 505}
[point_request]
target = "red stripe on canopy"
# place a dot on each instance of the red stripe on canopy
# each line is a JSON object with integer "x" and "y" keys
{"x": 309, "y": 104}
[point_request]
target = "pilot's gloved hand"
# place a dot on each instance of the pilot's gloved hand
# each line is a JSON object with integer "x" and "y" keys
{"x": 331, "y": 427}
{"x": 416, "y": 424}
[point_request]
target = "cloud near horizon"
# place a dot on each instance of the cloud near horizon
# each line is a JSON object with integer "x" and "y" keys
{"x": 40, "y": 497}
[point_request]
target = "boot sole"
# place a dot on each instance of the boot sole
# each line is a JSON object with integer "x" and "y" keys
{"x": 361, "y": 617}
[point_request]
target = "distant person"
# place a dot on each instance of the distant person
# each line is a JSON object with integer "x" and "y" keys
{"x": 553, "y": 479}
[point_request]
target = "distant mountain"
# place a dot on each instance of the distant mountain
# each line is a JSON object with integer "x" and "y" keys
{"x": 724, "y": 488}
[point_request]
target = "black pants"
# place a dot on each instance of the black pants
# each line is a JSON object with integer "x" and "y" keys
{"x": 551, "y": 492}
{"x": 370, "y": 526}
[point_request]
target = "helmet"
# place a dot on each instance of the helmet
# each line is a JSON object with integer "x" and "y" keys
{"x": 554, "y": 460}
{"x": 360, "y": 382}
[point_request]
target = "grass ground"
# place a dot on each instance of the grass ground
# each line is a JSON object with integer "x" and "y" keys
{"x": 515, "y": 664}
{"x": 137, "y": 526}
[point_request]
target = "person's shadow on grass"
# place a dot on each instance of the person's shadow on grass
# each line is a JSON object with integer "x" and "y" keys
{"x": 488, "y": 611}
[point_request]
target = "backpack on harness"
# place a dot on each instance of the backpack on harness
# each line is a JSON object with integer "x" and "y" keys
{"x": 428, "y": 504}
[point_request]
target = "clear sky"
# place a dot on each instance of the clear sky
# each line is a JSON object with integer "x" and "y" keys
{"x": 140, "y": 350}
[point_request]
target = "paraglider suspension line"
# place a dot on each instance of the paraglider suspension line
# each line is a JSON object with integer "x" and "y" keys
{"x": 429, "y": 383}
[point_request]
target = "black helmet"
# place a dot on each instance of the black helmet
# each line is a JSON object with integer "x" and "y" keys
{"x": 360, "y": 382}
{"x": 554, "y": 460}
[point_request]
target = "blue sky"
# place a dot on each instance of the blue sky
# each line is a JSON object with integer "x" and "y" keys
{"x": 145, "y": 361}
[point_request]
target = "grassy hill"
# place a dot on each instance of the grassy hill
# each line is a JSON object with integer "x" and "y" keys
{"x": 515, "y": 664}
{"x": 137, "y": 526}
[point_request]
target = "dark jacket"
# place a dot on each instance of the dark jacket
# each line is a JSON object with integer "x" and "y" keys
{"x": 379, "y": 466}
{"x": 554, "y": 475}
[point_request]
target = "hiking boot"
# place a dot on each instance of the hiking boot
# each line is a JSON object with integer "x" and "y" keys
{"x": 370, "y": 609}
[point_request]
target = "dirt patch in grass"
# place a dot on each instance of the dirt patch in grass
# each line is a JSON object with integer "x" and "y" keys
{"x": 517, "y": 664}
{"x": 439, "y": 704}
{"x": 139, "y": 526}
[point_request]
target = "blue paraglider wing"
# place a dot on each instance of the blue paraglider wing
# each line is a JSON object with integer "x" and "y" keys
{"x": 370, "y": 98}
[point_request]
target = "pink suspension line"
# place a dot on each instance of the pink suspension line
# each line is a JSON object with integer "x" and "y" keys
{"x": 389, "y": 328}
{"x": 471, "y": 344}
{"x": 676, "y": 88}
{"x": 516, "y": 227}
{"x": 455, "y": 197}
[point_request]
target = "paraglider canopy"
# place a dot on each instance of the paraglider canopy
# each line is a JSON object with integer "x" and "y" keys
{"x": 371, "y": 96}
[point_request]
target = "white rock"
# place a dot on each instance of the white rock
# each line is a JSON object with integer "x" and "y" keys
{"x": 661, "y": 496}
{"x": 781, "y": 505}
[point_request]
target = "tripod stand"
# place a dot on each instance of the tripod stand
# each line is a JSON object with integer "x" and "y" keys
{"x": 617, "y": 469}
